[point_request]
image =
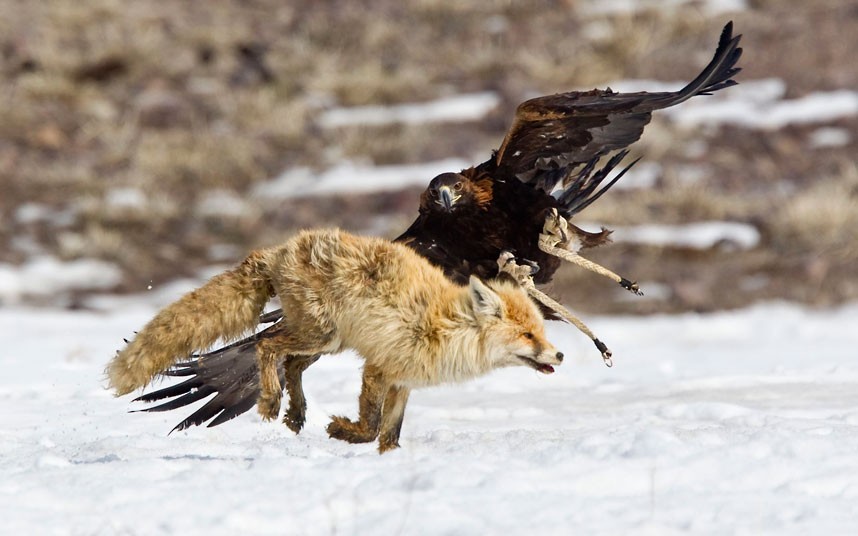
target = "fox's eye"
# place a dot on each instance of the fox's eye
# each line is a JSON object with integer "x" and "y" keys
{"x": 528, "y": 335}
{"x": 457, "y": 186}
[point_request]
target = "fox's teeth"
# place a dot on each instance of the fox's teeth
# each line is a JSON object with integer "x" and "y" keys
{"x": 546, "y": 369}
{"x": 541, "y": 367}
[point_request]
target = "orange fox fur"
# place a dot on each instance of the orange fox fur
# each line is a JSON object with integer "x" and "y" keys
{"x": 413, "y": 327}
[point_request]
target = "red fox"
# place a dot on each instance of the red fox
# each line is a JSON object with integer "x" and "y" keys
{"x": 413, "y": 327}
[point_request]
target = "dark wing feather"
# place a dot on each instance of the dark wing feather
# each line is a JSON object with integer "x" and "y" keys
{"x": 231, "y": 372}
{"x": 184, "y": 393}
{"x": 235, "y": 409}
{"x": 542, "y": 152}
{"x": 583, "y": 189}
{"x": 551, "y": 136}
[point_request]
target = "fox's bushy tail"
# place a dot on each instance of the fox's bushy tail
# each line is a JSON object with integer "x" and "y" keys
{"x": 227, "y": 307}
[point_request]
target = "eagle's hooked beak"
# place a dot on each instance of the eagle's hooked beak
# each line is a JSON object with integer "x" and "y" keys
{"x": 446, "y": 198}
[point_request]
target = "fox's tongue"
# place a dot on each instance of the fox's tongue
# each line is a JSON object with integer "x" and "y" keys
{"x": 546, "y": 369}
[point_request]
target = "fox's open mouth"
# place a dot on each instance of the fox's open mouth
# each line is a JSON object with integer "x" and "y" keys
{"x": 532, "y": 363}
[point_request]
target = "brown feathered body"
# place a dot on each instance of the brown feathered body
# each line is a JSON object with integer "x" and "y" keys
{"x": 506, "y": 215}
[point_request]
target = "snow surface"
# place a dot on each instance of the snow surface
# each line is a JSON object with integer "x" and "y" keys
{"x": 741, "y": 422}
{"x": 45, "y": 276}
{"x": 759, "y": 104}
{"x": 830, "y": 137}
{"x": 354, "y": 177}
{"x": 755, "y": 104}
{"x": 223, "y": 203}
{"x": 627, "y": 7}
{"x": 818, "y": 107}
{"x": 697, "y": 235}
{"x": 456, "y": 108}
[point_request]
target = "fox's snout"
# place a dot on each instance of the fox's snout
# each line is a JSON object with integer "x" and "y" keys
{"x": 543, "y": 357}
{"x": 552, "y": 357}
{"x": 546, "y": 352}
{"x": 518, "y": 327}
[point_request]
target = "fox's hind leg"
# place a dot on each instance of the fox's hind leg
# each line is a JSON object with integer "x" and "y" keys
{"x": 295, "y": 342}
{"x": 297, "y": 412}
{"x": 391, "y": 418}
{"x": 270, "y": 392}
{"x": 371, "y": 399}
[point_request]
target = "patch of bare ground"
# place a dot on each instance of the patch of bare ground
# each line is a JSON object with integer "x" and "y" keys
{"x": 140, "y": 129}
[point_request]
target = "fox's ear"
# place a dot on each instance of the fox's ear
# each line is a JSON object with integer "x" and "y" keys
{"x": 486, "y": 301}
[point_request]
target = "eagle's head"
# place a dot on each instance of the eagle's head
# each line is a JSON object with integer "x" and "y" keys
{"x": 451, "y": 192}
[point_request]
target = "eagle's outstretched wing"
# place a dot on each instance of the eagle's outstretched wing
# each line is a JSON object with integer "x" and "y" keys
{"x": 553, "y": 135}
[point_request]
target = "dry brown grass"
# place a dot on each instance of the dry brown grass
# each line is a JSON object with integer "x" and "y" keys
{"x": 822, "y": 218}
{"x": 166, "y": 102}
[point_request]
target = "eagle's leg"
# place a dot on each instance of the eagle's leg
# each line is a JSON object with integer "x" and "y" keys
{"x": 556, "y": 239}
{"x": 524, "y": 275}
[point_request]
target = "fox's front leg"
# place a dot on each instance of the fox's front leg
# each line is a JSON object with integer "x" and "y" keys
{"x": 391, "y": 418}
{"x": 371, "y": 399}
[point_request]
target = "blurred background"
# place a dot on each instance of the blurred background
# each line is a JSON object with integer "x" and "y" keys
{"x": 146, "y": 141}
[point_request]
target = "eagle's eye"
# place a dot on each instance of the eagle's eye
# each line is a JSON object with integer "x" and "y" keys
{"x": 457, "y": 186}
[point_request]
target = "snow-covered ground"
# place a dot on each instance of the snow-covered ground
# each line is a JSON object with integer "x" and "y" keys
{"x": 742, "y": 422}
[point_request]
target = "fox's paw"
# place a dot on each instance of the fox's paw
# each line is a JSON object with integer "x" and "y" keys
{"x": 340, "y": 428}
{"x": 384, "y": 446}
{"x": 344, "y": 429}
{"x": 268, "y": 407}
{"x": 294, "y": 419}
